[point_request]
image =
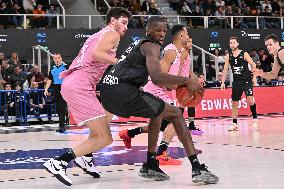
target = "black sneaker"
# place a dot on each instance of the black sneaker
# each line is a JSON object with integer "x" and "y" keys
{"x": 51, "y": 122}
{"x": 194, "y": 130}
{"x": 153, "y": 172}
{"x": 7, "y": 125}
{"x": 202, "y": 175}
{"x": 61, "y": 129}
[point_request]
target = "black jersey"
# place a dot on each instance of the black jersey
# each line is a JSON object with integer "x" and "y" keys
{"x": 239, "y": 67}
{"x": 131, "y": 67}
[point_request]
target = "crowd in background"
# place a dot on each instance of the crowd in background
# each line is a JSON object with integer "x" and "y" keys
{"x": 46, "y": 20}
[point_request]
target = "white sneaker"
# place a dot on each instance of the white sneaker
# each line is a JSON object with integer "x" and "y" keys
{"x": 58, "y": 169}
{"x": 234, "y": 127}
{"x": 87, "y": 164}
{"x": 255, "y": 124}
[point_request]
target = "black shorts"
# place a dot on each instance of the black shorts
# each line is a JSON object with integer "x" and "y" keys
{"x": 126, "y": 100}
{"x": 240, "y": 87}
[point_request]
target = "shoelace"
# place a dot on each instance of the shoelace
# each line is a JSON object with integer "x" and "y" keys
{"x": 63, "y": 166}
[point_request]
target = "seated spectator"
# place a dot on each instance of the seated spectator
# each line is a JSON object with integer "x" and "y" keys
{"x": 36, "y": 101}
{"x": 39, "y": 20}
{"x": 254, "y": 55}
{"x": 185, "y": 11}
{"x": 6, "y": 103}
{"x": 51, "y": 16}
{"x": 238, "y": 21}
{"x": 44, "y": 4}
{"x": 275, "y": 7}
{"x": 219, "y": 3}
{"x": 210, "y": 19}
{"x": 29, "y": 6}
{"x": 39, "y": 77}
{"x": 145, "y": 6}
{"x": 19, "y": 76}
{"x": 220, "y": 19}
{"x": 19, "y": 104}
{"x": 48, "y": 101}
{"x": 2, "y": 81}
{"x": 5, "y": 20}
{"x": 136, "y": 4}
{"x": 229, "y": 12}
{"x": 14, "y": 60}
{"x": 7, "y": 70}
{"x": 196, "y": 21}
{"x": 250, "y": 22}
{"x": 18, "y": 20}
{"x": 208, "y": 4}
{"x": 265, "y": 4}
{"x": 153, "y": 10}
{"x": 2, "y": 57}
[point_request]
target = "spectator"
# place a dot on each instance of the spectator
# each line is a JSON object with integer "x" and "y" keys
{"x": 137, "y": 6}
{"x": 229, "y": 12}
{"x": 5, "y": 20}
{"x": 7, "y": 70}
{"x": 51, "y": 16}
{"x": 2, "y": 81}
{"x": 39, "y": 77}
{"x": 275, "y": 7}
{"x": 254, "y": 55}
{"x": 265, "y": 4}
{"x": 220, "y": 20}
{"x": 208, "y": 4}
{"x": 219, "y": 3}
{"x": 14, "y": 60}
{"x": 19, "y": 76}
{"x": 44, "y": 4}
{"x": 19, "y": 105}
{"x": 39, "y": 20}
{"x": 153, "y": 9}
{"x": 194, "y": 4}
{"x": 2, "y": 57}
{"x": 36, "y": 101}
{"x": 250, "y": 22}
{"x": 238, "y": 21}
{"x": 197, "y": 21}
{"x": 29, "y": 5}
{"x": 6, "y": 103}
{"x": 18, "y": 20}
{"x": 145, "y": 6}
{"x": 210, "y": 19}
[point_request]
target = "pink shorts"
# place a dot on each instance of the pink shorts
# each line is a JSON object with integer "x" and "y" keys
{"x": 80, "y": 95}
{"x": 160, "y": 92}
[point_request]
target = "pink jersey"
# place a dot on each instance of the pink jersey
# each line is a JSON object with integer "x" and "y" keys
{"x": 79, "y": 84}
{"x": 160, "y": 91}
{"x": 185, "y": 67}
{"x": 86, "y": 62}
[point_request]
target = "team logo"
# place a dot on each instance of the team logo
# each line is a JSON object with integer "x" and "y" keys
{"x": 250, "y": 35}
{"x": 214, "y": 34}
{"x": 41, "y": 37}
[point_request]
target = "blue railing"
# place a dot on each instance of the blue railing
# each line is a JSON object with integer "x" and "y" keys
{"x": 26, "y": 105}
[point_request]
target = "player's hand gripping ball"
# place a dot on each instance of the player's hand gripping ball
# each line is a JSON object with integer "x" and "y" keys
{"x": 186, "y": 98}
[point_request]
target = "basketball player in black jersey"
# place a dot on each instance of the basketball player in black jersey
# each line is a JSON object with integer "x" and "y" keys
{"x": 242, "y": 80}
{"x": 121, "y": 96}
{"x": 273, "y": 47}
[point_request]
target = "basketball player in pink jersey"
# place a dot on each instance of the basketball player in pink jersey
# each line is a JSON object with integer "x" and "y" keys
{"x": 78, "y": 90}
{"x": 175, "y": 62}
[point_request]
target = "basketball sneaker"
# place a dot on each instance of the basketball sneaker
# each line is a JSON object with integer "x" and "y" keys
{"x": 166, "y": 159}
{"x": 153, "y": 172}
{"x": 126, "y": 139}
{"x": 255, "y": 124}
{"x": 58, "y": 169}
{"x": 87, "y": 164}
{"x": 202, "y": 175}
{"x": 234, "y": 127}
{"x": 194, "y": 130}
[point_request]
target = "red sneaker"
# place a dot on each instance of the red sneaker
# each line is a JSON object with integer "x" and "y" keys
{"x": 165, "y": 159}
{"x": 126, "y": 139}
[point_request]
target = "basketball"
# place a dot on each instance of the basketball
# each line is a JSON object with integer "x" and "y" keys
{"x": 184, "y": 98}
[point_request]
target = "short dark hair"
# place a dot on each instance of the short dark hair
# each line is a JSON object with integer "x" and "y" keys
{"x": 7, "y": 83}
{"x": 117, "y": 12}
{"x": 234, "y": 37}
{"x": 273, "y": 37}
{"x": 176, "y": 29}
{"x": 154, "y": 19}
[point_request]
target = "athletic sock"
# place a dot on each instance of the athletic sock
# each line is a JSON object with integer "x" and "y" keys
{"x": 135, "y": 131}
{"x": 151, "y": 158}
{"x": 253, "y": 111}
{"x": 162, "y": 148}
{"x": 67, "y": 156}
{"x": 194, "y": 161}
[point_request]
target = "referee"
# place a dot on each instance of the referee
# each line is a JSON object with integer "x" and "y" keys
{"x": 53, "y": 78}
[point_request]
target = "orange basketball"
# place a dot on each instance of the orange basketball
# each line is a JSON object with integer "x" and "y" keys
{"x": 185, "y": 100}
